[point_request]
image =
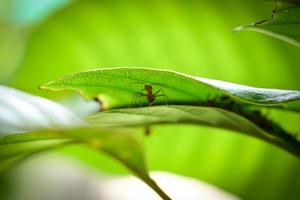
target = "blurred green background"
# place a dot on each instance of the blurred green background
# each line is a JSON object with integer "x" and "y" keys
{"x": 41, "y": 40}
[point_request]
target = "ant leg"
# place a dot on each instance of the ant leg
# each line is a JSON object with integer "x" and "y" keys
{"x": 132, "y": 101}
{"x": 151, "y": 103}
{"x": 158, "y": 91}
{"x": 137, "y": 98}
{"x": 166, "y": 98}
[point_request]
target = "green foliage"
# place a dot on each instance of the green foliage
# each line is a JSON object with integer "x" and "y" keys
{"x": 121, "y": 146}
{"x": 119, "y": 85}
{"x": 19, "y": 146}
{"x": 23, "y": 112}
{"x": 193, "y": 37}
{"x": 14, "y": 152}
{"x": 284, "y": 24}
{"x": 207, "y": 116}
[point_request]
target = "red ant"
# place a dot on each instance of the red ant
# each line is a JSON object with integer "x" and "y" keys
{"x": 151, "y": 97}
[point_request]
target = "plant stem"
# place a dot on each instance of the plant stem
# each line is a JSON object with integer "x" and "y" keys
{"x": 151, "y": 183}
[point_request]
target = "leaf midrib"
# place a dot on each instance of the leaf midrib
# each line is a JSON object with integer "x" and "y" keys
{"x": 131, "y": 90}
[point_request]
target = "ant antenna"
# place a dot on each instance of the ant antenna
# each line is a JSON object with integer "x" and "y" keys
{"x": 139, "y": 82}
{"x": 157, "y": 84}
{"x": 145, "y": 83}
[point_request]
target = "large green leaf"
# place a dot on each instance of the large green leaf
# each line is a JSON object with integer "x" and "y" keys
{"x": 12, "y": 153}
{"x": 116, "y": 87}
{"x": 51, "y": 126}
{"x": 208, "y": 116}
{"x": 20, "y": 111}
{"x": 193, "y": 37}
{"x": 119, "y": 145}
{"x": 284, "y": 24}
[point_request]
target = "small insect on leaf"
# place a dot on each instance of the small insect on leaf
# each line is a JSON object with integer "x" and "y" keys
{"x": 147, "y": 92}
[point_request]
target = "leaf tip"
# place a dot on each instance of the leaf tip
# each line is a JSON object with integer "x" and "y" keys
{"x": 42, "y": 87}
{"x": 238, "y": 29}
{"x": 241, "y": 28}
{"x": 47, "y": 86}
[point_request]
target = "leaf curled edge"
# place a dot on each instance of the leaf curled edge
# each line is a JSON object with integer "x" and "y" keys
{"x": 284, "y": 24}
{"x": 116, "y": 87}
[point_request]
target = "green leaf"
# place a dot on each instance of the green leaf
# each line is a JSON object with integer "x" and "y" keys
{"x": 284, "y": 25}
{"x": 187, "y": 36}
{"x": 119, "y": 145}
{"x": 116, "y": 87}
{"x": 12, "y": 153}
{"x": 51, "y": 128}
{"x": 207, "y": 116}
{"x": 20, "y": 112}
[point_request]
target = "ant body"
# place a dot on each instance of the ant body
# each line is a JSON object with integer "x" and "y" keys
{"x": 151, "y": 97}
